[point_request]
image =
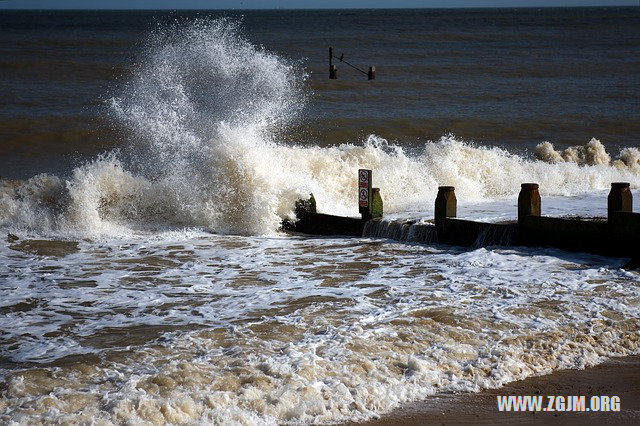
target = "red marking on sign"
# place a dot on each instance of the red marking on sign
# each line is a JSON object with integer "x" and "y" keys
{"x": 364, "y": 197}
{"x": 364, "y": 188}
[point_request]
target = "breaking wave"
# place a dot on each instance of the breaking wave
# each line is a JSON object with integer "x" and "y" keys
{"x": 592, "y": 154}
{"x": 205, "y": 110}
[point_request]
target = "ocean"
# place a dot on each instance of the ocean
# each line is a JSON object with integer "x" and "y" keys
{"x": 148, "y": 158}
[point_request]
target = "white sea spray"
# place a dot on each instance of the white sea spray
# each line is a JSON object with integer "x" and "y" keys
{"x": 204, "y": 111}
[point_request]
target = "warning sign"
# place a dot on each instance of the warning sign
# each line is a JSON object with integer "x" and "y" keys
{"x": 364, "y": 189}
{"x": 364, "y": 194}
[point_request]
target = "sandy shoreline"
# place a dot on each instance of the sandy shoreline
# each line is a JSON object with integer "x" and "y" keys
{"x": 618, "y": 376}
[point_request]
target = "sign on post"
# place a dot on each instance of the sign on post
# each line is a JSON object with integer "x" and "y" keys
{"x": 364, "y": 192}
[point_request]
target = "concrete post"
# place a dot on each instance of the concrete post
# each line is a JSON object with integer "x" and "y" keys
{"x": 446, "y": 203}
{"x": 620, "y": 198}
{"x": 372, "y": 73}
{"x": 528, "y": 201}
{"x": 333, "y": 72}
{"x": 376, "y": 203}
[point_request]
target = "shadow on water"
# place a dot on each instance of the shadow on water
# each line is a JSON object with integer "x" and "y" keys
{"x": 54, "y": 248}
{"x": 587, "y": 260}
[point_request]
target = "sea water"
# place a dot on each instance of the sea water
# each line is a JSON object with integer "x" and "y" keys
{"x": 145, "y": 280}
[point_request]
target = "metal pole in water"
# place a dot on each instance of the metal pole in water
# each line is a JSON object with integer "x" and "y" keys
{"x": 372, "y": 73}
{"x": 333, "y": 70}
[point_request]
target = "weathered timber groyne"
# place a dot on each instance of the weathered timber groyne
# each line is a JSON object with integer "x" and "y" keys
{"x": 616, "y": 235}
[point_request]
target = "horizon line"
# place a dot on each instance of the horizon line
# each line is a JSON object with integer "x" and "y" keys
{"x": 322, "y": 8}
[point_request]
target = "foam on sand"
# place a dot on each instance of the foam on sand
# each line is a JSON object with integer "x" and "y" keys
{"x": 206, "y": 328}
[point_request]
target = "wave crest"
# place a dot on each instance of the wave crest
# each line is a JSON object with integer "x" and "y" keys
{"x": 590, "y": 154}
{"x": 204, "y": 110}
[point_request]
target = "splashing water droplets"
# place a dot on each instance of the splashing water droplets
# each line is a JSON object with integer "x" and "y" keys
{"x": 203, "y": 112}
{"x": 202, "y": 103}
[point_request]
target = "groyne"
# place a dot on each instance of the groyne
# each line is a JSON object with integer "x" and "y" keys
{"x": 616, "y": 235}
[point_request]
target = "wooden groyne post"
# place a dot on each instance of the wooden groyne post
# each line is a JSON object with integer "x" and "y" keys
{"x": 460, "y": 232}
{"x": 529, "y": 202}
{"x": 617, "y": 235}
{"x": 376, "y": 203}
{"x": 446, "y": 203}
{"x": 620, "y": 199}
{"x": 309, "y": 221}
{"x": 624, "y": 225}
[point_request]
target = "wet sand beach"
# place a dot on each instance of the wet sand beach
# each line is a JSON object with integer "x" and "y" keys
{"x": 618, "y": 376}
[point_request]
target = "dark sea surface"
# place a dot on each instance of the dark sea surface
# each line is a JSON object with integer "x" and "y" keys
{"x": 506, "y": 77}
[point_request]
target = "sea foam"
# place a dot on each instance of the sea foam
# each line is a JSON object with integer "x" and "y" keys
{"x": 204, "y": 112}
{"x": 223, "y": 329}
